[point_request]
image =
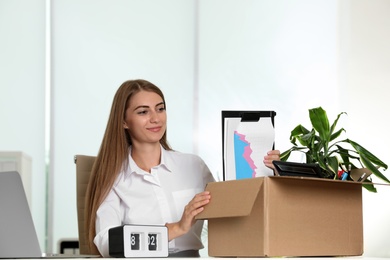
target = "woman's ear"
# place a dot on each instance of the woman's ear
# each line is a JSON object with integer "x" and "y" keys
{"x": 125, "y": 125}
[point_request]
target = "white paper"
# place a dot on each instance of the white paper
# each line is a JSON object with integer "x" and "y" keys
{"x": 246, "y": 144}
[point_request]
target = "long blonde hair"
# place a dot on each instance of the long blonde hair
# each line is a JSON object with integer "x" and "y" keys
{"x": 113, "y": 154}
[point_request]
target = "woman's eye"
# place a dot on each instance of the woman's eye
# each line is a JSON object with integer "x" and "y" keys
{"x": 142, "y": 112}
{"x": 161, "y": 109}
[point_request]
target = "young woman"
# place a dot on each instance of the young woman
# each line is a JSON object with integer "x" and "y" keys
{"x": 138, "y": 179}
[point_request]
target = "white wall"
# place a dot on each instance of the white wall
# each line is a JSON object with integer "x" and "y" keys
{"x": 265, "y": 55}
{"x": 207, "y": 56}
{"x": 22, "y": 92}
{"x": 365, "y": 61}
{"x": 96, "y": 46}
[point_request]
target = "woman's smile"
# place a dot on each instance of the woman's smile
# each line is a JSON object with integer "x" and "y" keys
{"x": 154, "y": 129}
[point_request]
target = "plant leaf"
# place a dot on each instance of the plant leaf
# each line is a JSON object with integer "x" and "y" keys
{"x": 298, "y": 131}
{"x": 364, "y": 152}
{"x": 286, "y": 154}
{"x": 320, "y": 122}
{"x": 369, "y": 186}
{"x": 344, "y": 154}
{"x": 333, "y": 164}
{"x": 306, "y": 139}
{"x": 335, "y": 122}
{"x": 337, "y": 134}
{"x": 373, "y": 169}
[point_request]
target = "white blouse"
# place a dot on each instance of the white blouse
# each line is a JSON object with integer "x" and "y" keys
{"x": 155, "y": 198}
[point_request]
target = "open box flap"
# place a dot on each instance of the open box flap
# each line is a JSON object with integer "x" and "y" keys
{"x": 231, "y": 198}
{"x": 333, "y": 180}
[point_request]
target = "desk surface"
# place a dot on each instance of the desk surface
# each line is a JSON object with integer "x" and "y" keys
{"x": 221, "y": 258}
{"x": 263, "y": 258}
{"x": 293, "y": 258}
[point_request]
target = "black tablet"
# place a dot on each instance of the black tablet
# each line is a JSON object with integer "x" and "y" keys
{"x": 297, "y": 169}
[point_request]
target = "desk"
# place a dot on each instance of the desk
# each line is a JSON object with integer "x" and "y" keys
{"x": 249, "y": 258}
{"x": 263, "y": 258}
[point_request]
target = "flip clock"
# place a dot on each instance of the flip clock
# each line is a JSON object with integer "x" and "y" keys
{"x": 138, "y": 241}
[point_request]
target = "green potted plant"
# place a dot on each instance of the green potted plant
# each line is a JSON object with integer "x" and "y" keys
{"x": 321, "y": 145}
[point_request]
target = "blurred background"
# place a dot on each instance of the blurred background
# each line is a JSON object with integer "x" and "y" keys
{"x": 61, "y": 62}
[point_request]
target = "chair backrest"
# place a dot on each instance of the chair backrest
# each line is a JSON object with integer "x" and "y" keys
{"x": 84, "y": 165}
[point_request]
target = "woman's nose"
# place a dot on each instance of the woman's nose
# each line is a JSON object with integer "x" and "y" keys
{"x": 154, "y": 118}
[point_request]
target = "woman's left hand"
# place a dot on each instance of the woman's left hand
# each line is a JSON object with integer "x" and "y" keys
{"x": 193, "y": 208}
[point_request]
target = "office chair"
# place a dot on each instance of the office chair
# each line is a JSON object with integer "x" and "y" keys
{"x": 84, "y": 165}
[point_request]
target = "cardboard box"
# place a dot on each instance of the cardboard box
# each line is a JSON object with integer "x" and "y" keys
{"x": 284, "y": 216}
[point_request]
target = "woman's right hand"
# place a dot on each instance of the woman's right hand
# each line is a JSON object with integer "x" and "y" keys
{"x": 193, "y": 208}
{"x": 273, "y": 155}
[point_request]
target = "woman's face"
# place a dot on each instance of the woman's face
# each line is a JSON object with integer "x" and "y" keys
{"x": 145, "y": 118}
